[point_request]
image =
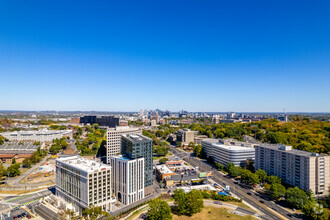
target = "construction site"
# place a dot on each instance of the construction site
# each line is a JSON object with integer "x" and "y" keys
{"x": 44, "y": 174}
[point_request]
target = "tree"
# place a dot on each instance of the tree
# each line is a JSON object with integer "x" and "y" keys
{"x": 274, "y": 179}
{"x": 94, "y": 212}
{"x": 180, "y": 201}
{"x": 79, "y": 131}
{"x": 295, "y": 197}
{"x": 36, "y": 143}
{"x": 191, "y": 145}
{"x": 95, "y": 126}
{"x": 14, "y": 170}
{"x": 162, "y": 151}
{"x": 275, "y": 138}
{"x": 249, "y": 178}
{"x": 262, "y": 175}
{"x": 188, "y": 203}
{"x": 194, "y": 202}
{"x": 209, "y": 133}
{"x": 64, "y": 144}
{"x": 178, "y": 144}
{"x": 54, "y": 149}
{"x": 159, "y": 210}
{"x": 233, "y": 170}
{"x": 13, "y": 161}
{"x": 313, "y": 210}
{"x": 198, "y": 150}
{"x": 3, "y": 170}
{"x": 219, "y": 166}
{"x": 27, "y": 163}
{"x": 277, "y": 191}
{"x": 163, "y": 160}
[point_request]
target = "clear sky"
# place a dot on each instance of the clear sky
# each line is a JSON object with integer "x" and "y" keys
{"x": 195, "y": 55}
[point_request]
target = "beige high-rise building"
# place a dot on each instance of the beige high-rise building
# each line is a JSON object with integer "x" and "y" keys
{"x": 185, "y": 136}
{"x": 114, "y": 139}
{"x": 303, "y": 169}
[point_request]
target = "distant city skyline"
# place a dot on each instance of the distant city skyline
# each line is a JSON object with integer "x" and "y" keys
{"x": 213, "y": 56}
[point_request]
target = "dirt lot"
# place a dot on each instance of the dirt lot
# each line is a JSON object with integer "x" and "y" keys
{"x": 45, "y": 173}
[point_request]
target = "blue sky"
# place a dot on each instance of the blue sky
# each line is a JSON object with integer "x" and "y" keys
{"x": 194, "y": 55}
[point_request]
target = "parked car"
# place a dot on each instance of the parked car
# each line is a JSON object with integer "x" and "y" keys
{"x": 28, "y": 216}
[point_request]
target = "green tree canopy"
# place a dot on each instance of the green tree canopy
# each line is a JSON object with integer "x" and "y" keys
{"x": 262, "y": 175}
{"x": 188, "y": 203}
{"x": 159, "y": 210}
{"x": 295, "y": 197}
{"x": 277, "y": 191}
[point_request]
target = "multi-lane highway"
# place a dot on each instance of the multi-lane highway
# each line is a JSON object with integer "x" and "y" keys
{"x": 43, "y": 211}
{"x": 12, "y": 202}
{"x": 270, "y": 209}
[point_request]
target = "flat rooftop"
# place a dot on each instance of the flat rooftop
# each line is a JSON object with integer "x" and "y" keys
{"x": 83, "y": 164}
{"x": 121, "y": 157}
{"x": 40, "y": 132}
{"x": 290, "y": 150}
{"x": 232, "y": 147}
{"x": 136, "y": 137}
{"x": 18, "y": 146}
{"x": 123, "y": 128}
{"x": 164, "y": 169}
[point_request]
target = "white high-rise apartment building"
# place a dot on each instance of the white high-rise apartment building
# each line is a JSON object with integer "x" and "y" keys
{"x": 127, "y": 179}
{"x": 114, "y": 139}
{"x": 83, "y": 182}
{"x": 299, "y": 168}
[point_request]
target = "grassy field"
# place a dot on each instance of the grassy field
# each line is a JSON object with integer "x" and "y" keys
{"x": 240, "y": 204}
{"x": 212, "y": 213}
{"x": 157, "y": 158}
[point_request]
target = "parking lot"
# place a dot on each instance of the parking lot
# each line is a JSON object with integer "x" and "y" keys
{"x": 18, "y": 213}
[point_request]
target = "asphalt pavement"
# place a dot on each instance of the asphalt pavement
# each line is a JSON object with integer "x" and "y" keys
{"x": 270, "y": 209}
{"x": 44, "y": 211}
{"x": 12, "y": 202}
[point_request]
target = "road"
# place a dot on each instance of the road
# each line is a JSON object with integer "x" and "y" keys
{"x": 14, "y": 182}
{"x": 270, "y": 209}
{"x": 43, "y": 211}
{"x": 12, "y": 202}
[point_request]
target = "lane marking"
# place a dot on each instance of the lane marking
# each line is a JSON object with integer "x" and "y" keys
{"x": 43, "y": 212}
{"x": 242, "y": 192}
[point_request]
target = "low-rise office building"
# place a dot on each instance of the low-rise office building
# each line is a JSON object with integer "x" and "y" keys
{"x": 83, "y": 183}
{"x": 127, "y": 179}
{"x": 303, "y": 169}
{"x": 225, "y": 152}
{"x": 163, "y": 172}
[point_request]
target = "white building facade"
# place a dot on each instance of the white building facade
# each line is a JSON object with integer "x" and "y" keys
{"x": 127, "y": 179}
{"x": 42, "y": 135}
{"x": 225, "y": 153}
{"x": 83, "y": 183}
{"x": 114, "y": 139}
